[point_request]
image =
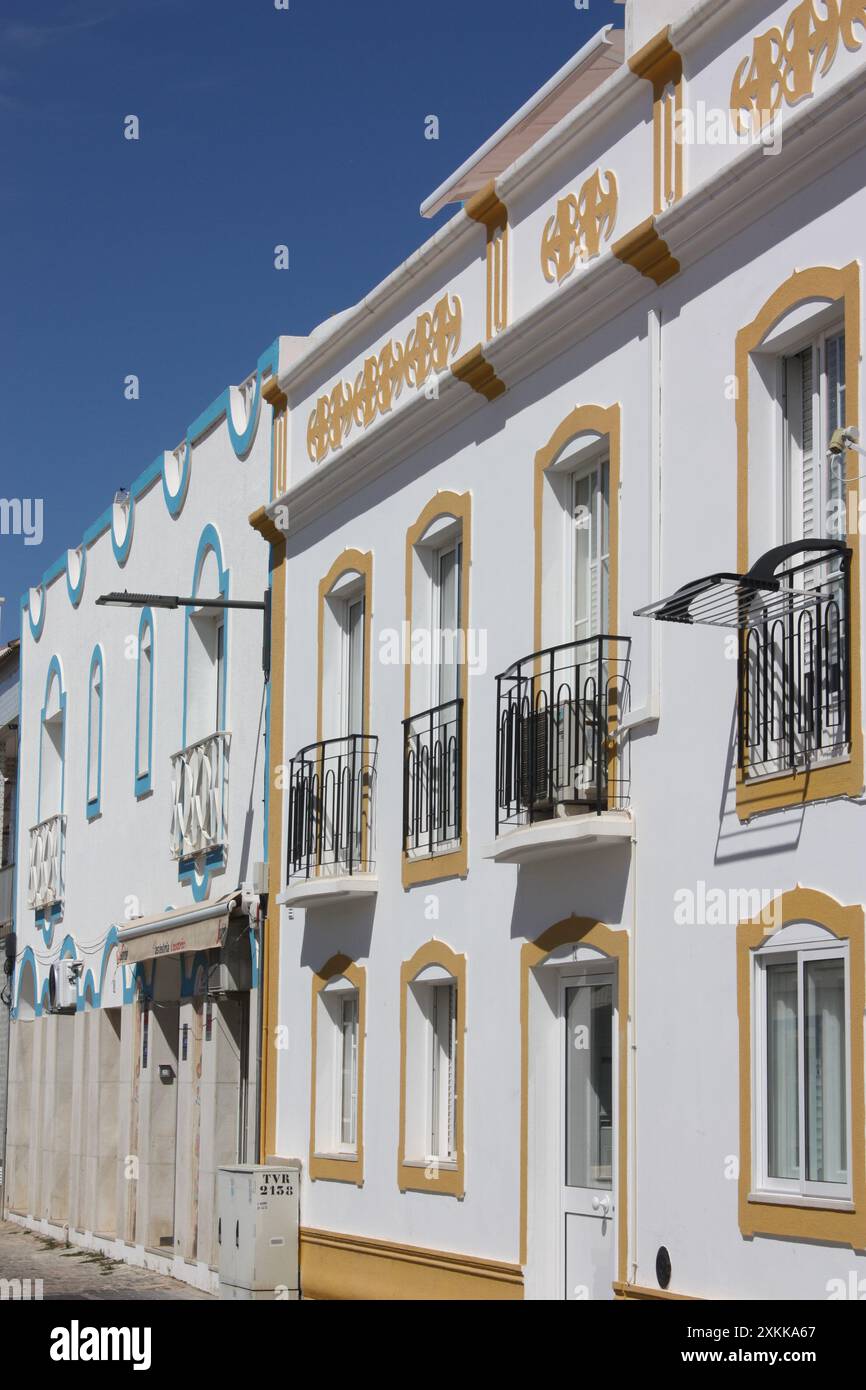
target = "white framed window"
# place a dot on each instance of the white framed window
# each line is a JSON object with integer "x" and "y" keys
{"x": 811, "y": 407}
{"x": 94, "y": 733}
{"x": 802, "y": 1066}
{"x": 588, "y": 554}
{"x": 337, "y": 1061}
{"x": 441, "y": 1069}
{"x": 447, "y": 616}
{"x": 347, "y": 1120}
{"x": 219, "y": 672}
{"x": 432, "y": 1069}
{"x": 144, "y": 715}
{"x": 353, "y": 665}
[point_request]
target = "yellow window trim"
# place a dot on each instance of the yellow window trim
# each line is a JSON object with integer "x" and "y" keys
{"x": 321, "y": 1167}
{"x": 578, "y": 931}
{"x": 827, "y": 283}
{"x": 431, "y": 869}
{"x": 411, "y": 1177}
{"x": 596, "y": 419}
{"x": 800, "y": 1221}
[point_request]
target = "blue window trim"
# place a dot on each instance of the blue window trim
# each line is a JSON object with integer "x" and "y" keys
{"x": 144, "y": 780}
{"x": 94, "y": 803}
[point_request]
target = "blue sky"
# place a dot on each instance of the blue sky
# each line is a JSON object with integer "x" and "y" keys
{"x": 155, "y": 257}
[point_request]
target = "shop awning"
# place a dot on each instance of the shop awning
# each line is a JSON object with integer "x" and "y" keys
{"x": 172, "y": 933}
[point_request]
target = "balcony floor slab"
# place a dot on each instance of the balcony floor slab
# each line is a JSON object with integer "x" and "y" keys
{"x": 327, "y": 890}
{"x": 570, "y": 834}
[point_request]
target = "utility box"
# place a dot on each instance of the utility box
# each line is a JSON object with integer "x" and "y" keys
{"x": 258, "y": 1231}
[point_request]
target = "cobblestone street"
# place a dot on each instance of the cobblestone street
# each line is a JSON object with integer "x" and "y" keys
{"x": 68, "y": 1272}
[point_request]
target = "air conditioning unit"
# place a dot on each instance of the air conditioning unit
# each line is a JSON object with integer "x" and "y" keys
{"x": 63, "y": 986}
{"x": 232, "y": 970}
{"x": 257, "y": 1211}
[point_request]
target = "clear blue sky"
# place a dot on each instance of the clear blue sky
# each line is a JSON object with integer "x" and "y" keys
{"x": 258, "y": 126}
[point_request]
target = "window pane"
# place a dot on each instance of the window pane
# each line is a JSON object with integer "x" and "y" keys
{"x": 826, "y": 1119}
{"x": 836, "y": 420}
{"x": 349, "y": 1071}
{"x": 95, "y": 721}
{"x": 783, "y": 1114}
{"x": 448, "y": 585}
{"x": 443, "y": 1048}
{"x": 590, "y": 512}
{"x": 355, "y": 673}
{"x": 801, "y": 482}
{"x": 589, "y": 1086}
{"x": 144, "y": 669}
{"x": 220, "y": 676}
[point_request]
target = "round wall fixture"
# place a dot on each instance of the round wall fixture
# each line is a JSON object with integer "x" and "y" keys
{"x": 663, "y": 1267}
{"x": 175, "y": 477}
{"x": 76, "y": 568}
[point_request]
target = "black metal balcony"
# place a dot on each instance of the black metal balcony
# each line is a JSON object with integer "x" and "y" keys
{"x": 331, "y": 804}
{"x": 559, "y": 743}
{"x": 795, "y": 672}
{"x": 433, "y": 779}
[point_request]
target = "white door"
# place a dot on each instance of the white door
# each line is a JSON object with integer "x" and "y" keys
{"x": 588, "y": 1135}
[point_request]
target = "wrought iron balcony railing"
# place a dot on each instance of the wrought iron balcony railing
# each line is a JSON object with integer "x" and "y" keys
{"x": 795, "y": 672}
{"x": 200, "y": 797}
{"x": 47, "y": 862}
{"x": 433, "y": 779}
{"x": 560, "y": 747}
{"x": 332, "y": 789}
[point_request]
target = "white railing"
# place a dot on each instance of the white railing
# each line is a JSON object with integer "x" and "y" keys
{"x": 199, "y": 796}
{"x": 47, "y": 862}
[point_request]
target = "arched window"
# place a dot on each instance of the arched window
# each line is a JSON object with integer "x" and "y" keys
{"x": 95, "y": 684}
{"x": 52, "y": 746}
{"x": 47, "y": 838}
{"x": 432, "y": 1029}
{"x": 338, "y": 1031}
{"x": 206, "y": 689}
{"x": 144, "y": 706}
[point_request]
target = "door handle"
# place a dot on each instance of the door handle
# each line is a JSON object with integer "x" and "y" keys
{"x": 602, "y": 1204}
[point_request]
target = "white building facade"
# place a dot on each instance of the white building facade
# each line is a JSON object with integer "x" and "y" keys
{"x": 141, "y": 823}
{"x": 566, "y": 989}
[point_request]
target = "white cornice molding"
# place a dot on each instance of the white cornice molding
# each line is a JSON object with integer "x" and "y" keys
{"x": 816, "y": 137}
{"x": 699, "y": 23}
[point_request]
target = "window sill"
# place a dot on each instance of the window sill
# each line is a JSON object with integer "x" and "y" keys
{"x": 445, "y": 1165}
{"x": 796, "y": 1199}
{"x": 336, "y": 1157}
{"x": 422, "y": 867}
{"x": 807, "y": 770}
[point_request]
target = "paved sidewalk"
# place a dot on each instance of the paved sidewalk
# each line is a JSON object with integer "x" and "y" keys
{"x": 68, "y": 1272}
